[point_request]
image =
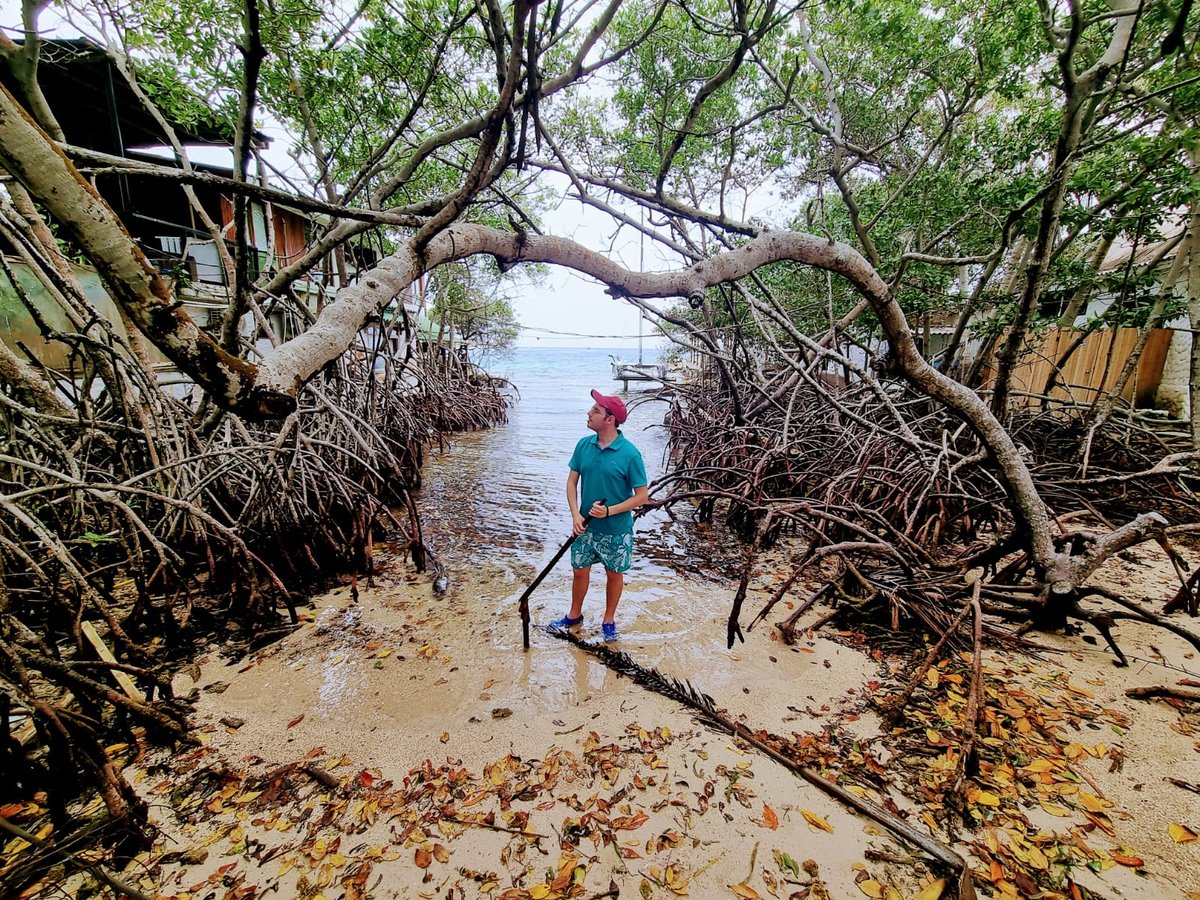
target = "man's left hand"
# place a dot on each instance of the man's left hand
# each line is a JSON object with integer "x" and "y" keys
{"x": 598, "y": 511}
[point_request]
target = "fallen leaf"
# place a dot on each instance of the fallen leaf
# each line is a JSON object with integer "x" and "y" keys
{"x": 984, "y": 798}
{"x": 816, "y": 821}
{"x": 1134, "y": 862}
{"x": 769, "y": 818}
{"x": 787, "y": 863}
{"x": 744, "y": 890}
{"x": 1180, "y": 834}
{"x": 932, "y": 891}
{"x": 296, "y": 721}
{"x": 629, "y": 823}
{"x": 440, "y": 853}
{"x": 423, "y": 858}
{"x": 871, "y": 888}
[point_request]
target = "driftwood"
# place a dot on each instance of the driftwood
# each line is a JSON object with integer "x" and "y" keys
{"x": 1191, "y": 695}
{"x": 685, "y": 693}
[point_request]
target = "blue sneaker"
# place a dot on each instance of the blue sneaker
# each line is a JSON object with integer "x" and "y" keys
{"x": 566, "y": 622}
{"x": 610, "y": 631}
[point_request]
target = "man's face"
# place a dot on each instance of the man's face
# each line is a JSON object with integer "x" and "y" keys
{"x": 596, "y": 416}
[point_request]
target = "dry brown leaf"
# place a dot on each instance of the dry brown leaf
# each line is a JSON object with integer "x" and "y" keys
{"x": 770, "y": 820}
{"x": 744, "y": 891}
{"x": 422, "y": 858}
{"x": 629, "y": 823}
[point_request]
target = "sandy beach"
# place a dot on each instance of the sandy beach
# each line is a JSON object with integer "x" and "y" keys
{"x": 403, "y": 745}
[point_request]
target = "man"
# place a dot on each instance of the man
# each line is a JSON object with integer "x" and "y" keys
{"x": 608, "y": 479}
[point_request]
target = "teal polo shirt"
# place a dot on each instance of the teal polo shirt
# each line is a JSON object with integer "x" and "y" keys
{"x": 608, "y": 474}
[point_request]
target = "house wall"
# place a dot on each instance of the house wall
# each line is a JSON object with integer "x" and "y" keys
{"x": 1173, "y": 391}
{"x": 17, "y": 326}
{"x": 1095, "y": 366}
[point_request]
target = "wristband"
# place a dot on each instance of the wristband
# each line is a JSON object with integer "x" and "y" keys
{"x": 606, "y": 510}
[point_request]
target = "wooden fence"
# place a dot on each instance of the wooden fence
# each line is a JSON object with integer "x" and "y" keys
{"x": 1093, "y": 368}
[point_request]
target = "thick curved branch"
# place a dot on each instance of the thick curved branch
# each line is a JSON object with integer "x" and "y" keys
{"x": 293, "y": 363}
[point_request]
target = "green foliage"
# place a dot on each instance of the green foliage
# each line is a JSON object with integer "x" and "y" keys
{"x": 467, "y": 300}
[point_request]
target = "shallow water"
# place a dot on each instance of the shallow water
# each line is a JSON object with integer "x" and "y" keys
{"x": 493, "y": 507}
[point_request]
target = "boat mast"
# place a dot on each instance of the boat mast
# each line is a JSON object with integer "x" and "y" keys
{"x": 641, "y": 268}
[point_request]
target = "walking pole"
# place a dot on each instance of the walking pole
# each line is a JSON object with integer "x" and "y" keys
{"x": 524, "y": 601}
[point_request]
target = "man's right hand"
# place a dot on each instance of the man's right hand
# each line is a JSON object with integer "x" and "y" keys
{"x": 578, "y": 524}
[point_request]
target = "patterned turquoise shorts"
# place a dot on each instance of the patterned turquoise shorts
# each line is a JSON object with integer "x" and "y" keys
{"x": 614, "y": 550}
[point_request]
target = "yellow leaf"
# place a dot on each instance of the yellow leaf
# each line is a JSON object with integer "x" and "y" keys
{"x": 984, "y": 798}
{"x": 1055, "y": 810}
{"x": 540, "y": 891}
{"x": 816, "y": 821}
{"x": 744, "y": 891}
{"x": 1092, "y": 803}
{"x": 871, "y": 887}
{"x": 932, "y": 891}
{"x": 1180, "y": 834}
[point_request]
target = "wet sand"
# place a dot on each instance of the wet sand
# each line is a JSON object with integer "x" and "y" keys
{"x": 400, "y": 681}
{"x": 419, "y": 712}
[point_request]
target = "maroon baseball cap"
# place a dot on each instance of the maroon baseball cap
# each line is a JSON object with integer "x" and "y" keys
{"x": 615, "y": 406}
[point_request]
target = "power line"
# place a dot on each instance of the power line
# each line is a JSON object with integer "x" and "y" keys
{"x": 575, "y": 334}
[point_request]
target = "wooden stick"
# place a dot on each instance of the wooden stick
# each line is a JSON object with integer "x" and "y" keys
{"x": 493, "y": 827}
{"x": 687, "y": 695}
{"x": 122, "y": 678}
{"x": 924, "y": 842}
{"x": 523, "y": 602}
{"x": 1162, "y": 690}
{"x": 1186, "y": 785}
{"x": 975, "y": 701}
